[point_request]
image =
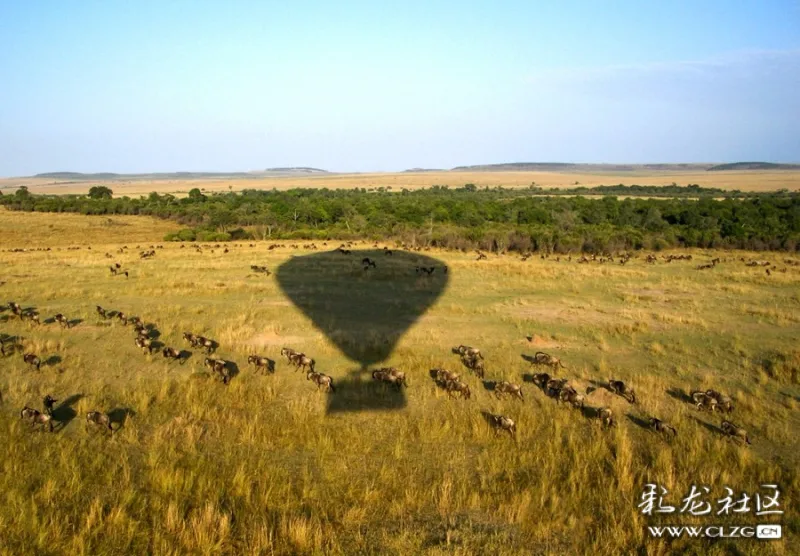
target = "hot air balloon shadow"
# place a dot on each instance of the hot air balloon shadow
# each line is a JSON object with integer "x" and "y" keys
{"x": 363, "y": 301}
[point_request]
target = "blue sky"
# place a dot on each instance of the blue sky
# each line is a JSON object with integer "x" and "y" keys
{"x": 373, "y": 86}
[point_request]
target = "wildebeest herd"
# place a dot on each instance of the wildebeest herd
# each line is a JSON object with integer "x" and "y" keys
{"x": 560, "y": 389}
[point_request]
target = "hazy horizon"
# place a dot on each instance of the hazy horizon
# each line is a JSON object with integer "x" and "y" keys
{"x": 244, "y": 86}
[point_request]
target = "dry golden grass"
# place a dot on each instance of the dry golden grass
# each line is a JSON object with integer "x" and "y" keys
{"x": 751, "y": 180}
{"x": 260, "y": 467}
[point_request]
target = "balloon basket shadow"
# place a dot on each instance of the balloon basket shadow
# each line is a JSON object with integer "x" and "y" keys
{"x": 358, "y": 393}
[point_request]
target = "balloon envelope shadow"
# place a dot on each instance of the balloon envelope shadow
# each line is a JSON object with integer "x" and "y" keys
{"x": 364, "y": 309}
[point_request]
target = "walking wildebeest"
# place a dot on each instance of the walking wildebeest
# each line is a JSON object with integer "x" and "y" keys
{"x": 146, "y": 344}
{"x": 541, "y": 380}
{"x": 506, "y": 388}
{"x": 172, "y": 353}
{"x": 102, "y": 312}
{"x": 48, "y": 403}
{"x": 36, "y": 417}
{"x": 661, "y": 427}
{"x": 321, "y": 380}
{"x": 542, "y": 358}
{"x": 302, "y": 361}
{"x": 33, "y": 360}
{"x": 735, "y": 432}
{"x": 704, "y": 402}
{"x": 99, "y": 419}
{"x": 606, "y": 416}
{"x": 456, "y": 387}
{"x": 569, "y": 395}
{"x": 62, "y": 320}
{"x": 502, "y": 423}
{"x": 724, "y": 403}
{"x": 391, "y": 376}
{"x": 620, "y": 388}
{"x": 263, "y": 363}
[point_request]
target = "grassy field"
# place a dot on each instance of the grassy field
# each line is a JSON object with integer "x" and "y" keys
{"x": 269, "y": 465}
{"x": 750, "y": 180}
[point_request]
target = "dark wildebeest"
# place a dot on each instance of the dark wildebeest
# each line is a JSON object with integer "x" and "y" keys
{"x": 302, "y": 361}
{"x": 99, "y": 419}
{"x": 33, "y": 360}
{"x": 504, "y": 388}
{"x": 48, "y": 403}
{"x": 321, "y": 380}
{"x": 172, "y": 353}
{"x": 542, "y": 358}
{"x": 102, "y": 312}
{"x": 661, "y": 427}
{"x": 541, "y": 380}
{"x": 735, "y": 432}
{"x": 263, "y": 363}
{"x": 62, "y": 320}
{"x": 620, "y": 388}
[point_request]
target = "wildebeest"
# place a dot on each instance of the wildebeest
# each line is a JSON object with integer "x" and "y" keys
{"x": 724, "y": 403}
{"x": 263, "y": 363}
{"x": 541, "y": 380}
{"x": 569, "y": 395}
{"x": 506, "y": 388}
{"x": 367, "y": 262}
{"x": 474, "y": 364}
{"x": 302, "y": 361}
{"x": 390, "y": 375}
{"x": 542, "y": 358}
{"x": 622, "y": 389}
{"x": 321, "y": 380}
{"x": 704, "y": 402}
{"x": 661, "y": 427}
{"x": 467, "y": 351}
{"x": 288, "y": 353}
{"x": 220, "y": 367}
{"x": 145, "y": 344}
{"x": 191, "y": 338}
{"x": 99, "y": 419}
{"x": 36, "y": 417}
{"x": 33, "y": 360}
{"x": 102, "y": 312}
{"x": 206, "y": 343}
{"x": 735, "y": 432}
{"x": 442, "y": 376}
{"x": 15, "y": 308}
{"x": 32, "y": 316}
{"x": 606, "y": 416}
{"x": 123, "y": 318}
{"x": 481, "y": 256}
{"x": 456, "y": 387}
{"x": 172, "y": 353}
{"x": 48, "y": 403}
{"x": 554, "y": 386}
{"x": 62, "y": 320}
{"x": 502, "y": 423}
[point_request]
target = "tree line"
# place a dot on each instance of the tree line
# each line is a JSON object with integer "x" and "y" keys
{"x": 464, "y": 217}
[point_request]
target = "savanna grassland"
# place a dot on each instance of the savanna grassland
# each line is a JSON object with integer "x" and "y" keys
{"x": 261, "y": 466}
{"x": 744, "y": 180}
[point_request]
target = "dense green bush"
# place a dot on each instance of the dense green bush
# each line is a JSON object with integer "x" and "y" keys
{"x": 468, "y": 217}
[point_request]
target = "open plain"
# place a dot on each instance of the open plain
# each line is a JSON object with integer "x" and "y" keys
{"x": 269, "y": 463}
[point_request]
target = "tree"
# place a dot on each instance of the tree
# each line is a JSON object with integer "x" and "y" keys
{"x": 100, "y": 192}
{"x": 22, "y": 192}
{"x": 196, "y": 195}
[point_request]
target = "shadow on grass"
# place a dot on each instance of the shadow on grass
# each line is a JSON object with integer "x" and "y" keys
{"x": 74, "y": 322}
{"x": 636, "y": 420}
{"x": 365, "y": 326}
{"x": 358, "y": 392}
{"x": 119, "y": 416}
{"x": 598, "y": 385}
{"x": 64, "y": 413}
{"x": 589, "y": 412}
{"x": 489, "y": 385}
{"x": 52, "y": 360}
{"x": 708, "y": 426}
{"x": 679, "y": 394}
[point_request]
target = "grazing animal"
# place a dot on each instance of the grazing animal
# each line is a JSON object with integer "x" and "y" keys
{"x": 62, "y": 320}
{"x": 99, "y": 419}
{"x": 661, "y": 427}
{"x": 302, "y": 361}
{"x": 542, "y": 358}
{"x": 735, "y": 432}
{"x": 391, "y": 376}
{"x": 704, "y": 402}
{"x": 220, "y": 367}
{"x": 724, "y": 403}
{"x": 48, "y": 403}
{"x": 456, "y": 387}
{"x": 502, "y": 423}
{"x": 606, "y": 417}
{"x": 288, "y": 353}
{"x": 172, "y": 353}
{"x": 541, "y": 380}
{"x": 264, "y": 363}
{"x": 620, "y": 388}
{"x": 146, "y": 344}
{"x": 504, "y": 388}
{"x": 570, "y": 395}
{"x": 32, "y": 360}
{"x": 321, "y": 380}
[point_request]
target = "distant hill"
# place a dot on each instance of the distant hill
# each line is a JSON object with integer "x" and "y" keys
{"x": 754, "y": 166}
{"x": 79, "y": 176}
{"x": 572, "y": 167}
{"x": 416, "y": 170}
{"x": 298, "y": 169}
